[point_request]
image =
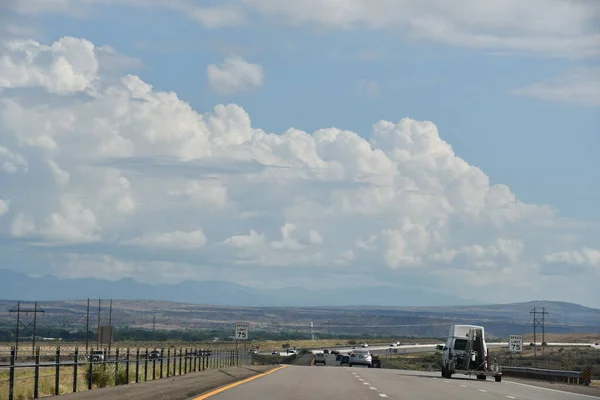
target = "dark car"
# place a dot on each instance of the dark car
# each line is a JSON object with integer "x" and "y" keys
{"x": 154, "y": 354}
{"x": 325, "y": 351}
{"x": 338, "y": 357}
{"x": 334, "y": 352}
{"x": 345, "y": 360}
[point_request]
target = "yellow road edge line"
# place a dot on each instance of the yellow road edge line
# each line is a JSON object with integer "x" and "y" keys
{"x": 234, "y": 384}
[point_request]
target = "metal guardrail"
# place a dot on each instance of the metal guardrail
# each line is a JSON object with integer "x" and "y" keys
{"x": 551, "y": 375}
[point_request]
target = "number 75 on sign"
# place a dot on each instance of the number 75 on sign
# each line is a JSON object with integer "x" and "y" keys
{"x": 241, "y": 330}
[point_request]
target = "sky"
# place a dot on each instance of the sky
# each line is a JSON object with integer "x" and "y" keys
{"x": 448, "y": 146}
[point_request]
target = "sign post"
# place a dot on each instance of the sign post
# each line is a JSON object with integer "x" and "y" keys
{"x": 241, "y": 333}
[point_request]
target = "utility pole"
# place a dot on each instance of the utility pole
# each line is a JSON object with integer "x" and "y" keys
{"x": 110, "y": 324}
{"x": 87, "y": 328}
{"x": 31, "y": 327}
{"x": 537, "y": 322}
{"x": 98, "y": 335}
{"x": 154, "y": 325}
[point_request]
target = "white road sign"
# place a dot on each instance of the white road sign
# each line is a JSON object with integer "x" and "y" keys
{"x": 515, "y": 343}
{"x": 241, "y": 330}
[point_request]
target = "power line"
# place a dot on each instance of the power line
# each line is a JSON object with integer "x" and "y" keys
{"x": 30, "y": 327}
{"x": 537, "y": 322}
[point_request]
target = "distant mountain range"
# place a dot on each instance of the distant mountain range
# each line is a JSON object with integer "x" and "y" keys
{"x": 217, "y": 305}
{"x": 19, "y": 286}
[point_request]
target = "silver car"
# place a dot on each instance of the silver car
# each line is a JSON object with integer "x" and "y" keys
{"x": 361, "y": 357}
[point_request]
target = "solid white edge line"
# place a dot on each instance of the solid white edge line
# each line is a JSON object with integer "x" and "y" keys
{"x": 554, "y": 390}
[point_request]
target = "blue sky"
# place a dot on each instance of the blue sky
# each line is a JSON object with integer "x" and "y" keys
{"x": 514, "y": 90}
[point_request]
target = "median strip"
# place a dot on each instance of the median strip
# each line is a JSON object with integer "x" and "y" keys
{"x": 232, "y": 385}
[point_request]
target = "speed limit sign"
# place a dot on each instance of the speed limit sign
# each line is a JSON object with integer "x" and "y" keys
{"x": 515, "y": 343}
{"x": 241, "y": 330}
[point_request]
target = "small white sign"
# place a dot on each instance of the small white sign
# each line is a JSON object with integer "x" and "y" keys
{"x": 241, "y": 330}
{"x": 515, "y": 343}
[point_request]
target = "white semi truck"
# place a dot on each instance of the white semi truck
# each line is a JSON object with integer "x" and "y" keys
{"x": 465, "y": 352}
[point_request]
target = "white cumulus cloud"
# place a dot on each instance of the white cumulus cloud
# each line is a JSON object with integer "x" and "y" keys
{"x": 234, "y": 75}
{"x": 132, "y": 169}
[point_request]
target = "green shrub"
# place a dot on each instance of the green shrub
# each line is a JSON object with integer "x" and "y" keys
{"x": 102, "y": 375}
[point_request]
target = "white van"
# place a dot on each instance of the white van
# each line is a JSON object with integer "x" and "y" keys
{"x": 466, "y": 352}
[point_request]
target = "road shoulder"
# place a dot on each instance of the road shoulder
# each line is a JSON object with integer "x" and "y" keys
{"x": 174, "y": 388}
{"x": 563, "y": 387}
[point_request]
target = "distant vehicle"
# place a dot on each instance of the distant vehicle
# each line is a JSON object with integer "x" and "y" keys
{"x": 345, "y": 360}
{"x": 97, "y": 355}
{"x": 325, "y": 351}
{"x": 253, "y": 351}
{"x": 365, "y": 345}
{"x": 360, "y": 357}
{"x": 439, "y": 347}
{"x": 275, "y": 353}
{"x": 320, "y": 359}
{"x": 393, "y": 344}
{"x": 465, "y": 352}
{"x": 290, "y": 351}
{"x": 154, "y": 354}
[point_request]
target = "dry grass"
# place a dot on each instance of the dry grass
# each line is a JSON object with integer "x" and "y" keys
{"x": 103, "y": 375}
{"x": 559, "y": 358}
{"x": 564, "y": 338}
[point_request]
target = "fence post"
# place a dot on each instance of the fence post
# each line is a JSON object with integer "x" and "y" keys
{"x": 162, "y": 357}
{"x": 75, "y": 369}
{"x": 154, "y": 365}
{"x": 57, "y": 373}
{"x": 127, "y": 366}
{"x": 185, "y": 362}
{"x": 146, "y": 366}
{"x": 137, "y": 365}
{"x": 168, "y": 362}
{"x": 11, "y": 379}
{"x": 180, "y": 361}
{"x": 90, "y": 360}
{"x": 174, "y": 362}
{"x": 116, "y": 366}
{"x": 194, "y": 358}
{"x": 36, "y": 378}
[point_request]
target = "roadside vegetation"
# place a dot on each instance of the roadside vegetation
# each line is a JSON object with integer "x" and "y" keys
{"x": 558, "y": 358}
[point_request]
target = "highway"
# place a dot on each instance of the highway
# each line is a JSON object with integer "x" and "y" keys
{"x": 357, "y": 383}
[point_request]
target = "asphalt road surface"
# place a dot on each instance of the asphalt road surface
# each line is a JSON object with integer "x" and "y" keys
{"x": 357, "y": 383}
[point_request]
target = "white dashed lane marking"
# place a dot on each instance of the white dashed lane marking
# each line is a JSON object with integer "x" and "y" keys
{"x": 372, "y": 388}
{"x": 510, "y": 397}
{"x": 484, "y": 391}
{"x": 382, "y": 395}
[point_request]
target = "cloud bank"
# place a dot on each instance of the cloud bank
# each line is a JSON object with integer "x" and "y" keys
{"x": 102, "y": 175}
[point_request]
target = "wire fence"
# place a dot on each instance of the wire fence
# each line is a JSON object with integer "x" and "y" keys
{"x": 31, "y": 376}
